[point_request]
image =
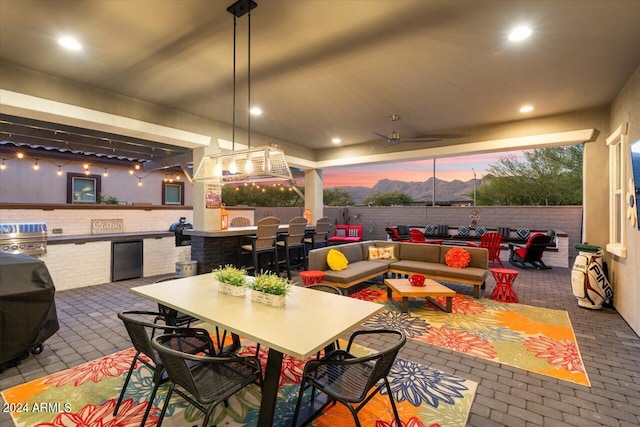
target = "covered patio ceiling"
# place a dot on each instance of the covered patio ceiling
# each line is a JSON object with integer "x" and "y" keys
{"x": 320, "y": 69}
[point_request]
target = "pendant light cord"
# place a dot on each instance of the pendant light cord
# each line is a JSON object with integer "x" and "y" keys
{"x": 233, "y": 130}
{"x": 249, "y": 80}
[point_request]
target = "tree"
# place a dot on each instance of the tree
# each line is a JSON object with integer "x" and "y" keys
{"x": 260, "y": 195}
{"x": 388, "y": 198}
{"x": 547, "y": 176}
{"x": 337, "y": 196}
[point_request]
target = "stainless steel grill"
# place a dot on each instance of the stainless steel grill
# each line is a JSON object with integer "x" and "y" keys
{"x": 29, "y": 238}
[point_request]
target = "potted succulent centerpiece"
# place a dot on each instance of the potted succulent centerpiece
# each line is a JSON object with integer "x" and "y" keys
{"x": 269, "y": 288}
{"x": 232, "y": 280}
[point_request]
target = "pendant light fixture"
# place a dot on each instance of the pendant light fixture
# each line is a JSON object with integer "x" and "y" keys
{"x": 265, "y": 163}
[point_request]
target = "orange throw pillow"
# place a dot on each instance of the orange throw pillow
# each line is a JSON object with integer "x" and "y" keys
{"x": 457, "y": 258}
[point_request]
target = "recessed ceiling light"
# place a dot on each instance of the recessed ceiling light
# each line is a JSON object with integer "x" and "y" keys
{"x": 526, "y": 108}
{"x": 256, "y": 111}
{"x": 520, "y": 33}
{"x": 336, "y": 140}
{"x": 69, "y": 43}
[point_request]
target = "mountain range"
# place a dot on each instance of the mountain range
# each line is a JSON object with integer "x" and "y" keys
{"x": 446, "y": 191}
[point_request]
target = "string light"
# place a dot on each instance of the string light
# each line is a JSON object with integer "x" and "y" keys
{"x": 36, "y": 166}
{"x": 86, "y": 166}
{"x": 3, "y": 166}
{"x": 87, "y": 172}
{"x": 59, "y": 170}
{"x": 20, "y": 155}
{"x": 137, "y": 167}
{"x": 105, "y": 173}
{"x": 139, "y": 182}
{"x": 130, "y": 171}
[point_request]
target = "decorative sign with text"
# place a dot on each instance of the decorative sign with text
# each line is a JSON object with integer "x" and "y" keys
{"x": 106, "y": 226}
{"x": 213, "y": 196}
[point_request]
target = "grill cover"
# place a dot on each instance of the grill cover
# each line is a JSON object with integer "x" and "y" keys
{"x": 27, "y": 306}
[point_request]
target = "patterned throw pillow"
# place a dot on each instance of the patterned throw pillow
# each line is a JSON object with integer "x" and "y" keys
{"x": 341, "y": 232}
{"x": 463, "y": 231}
{"x": 480, "y": 231}
{"x": 384, "y": 252}
{"x": 353, "y": 232}
{"x": 430, "y": 230}
{"x": 336, "y": 260}
{"x": 457, "y": 258}
{"x": 523, "y": 233}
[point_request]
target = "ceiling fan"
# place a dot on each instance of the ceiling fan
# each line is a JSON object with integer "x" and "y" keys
{"x": 395, "y": 138}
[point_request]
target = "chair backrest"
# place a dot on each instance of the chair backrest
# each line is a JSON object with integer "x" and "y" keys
{"x": 240, "y": 221}
{"x": 323, "y": 225}
{"x": 297, "y": 228}
{"x": 404, "y": 232}
{"x": 491, "y": 241}
{"x": 176, "y": 362}
{"x": 383, "y": 360}
{"x": 140, "y": 327}
{"x": 417, "y": 235}
{"x": 267, "y": 232}
{"x": 536, "y": 245}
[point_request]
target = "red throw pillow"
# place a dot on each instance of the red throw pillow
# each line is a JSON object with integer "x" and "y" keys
{"x": 457, "y": 258}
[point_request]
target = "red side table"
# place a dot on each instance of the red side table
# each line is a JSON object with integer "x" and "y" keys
{"x": 504, "y": 284}
{"x": 311, "y": 277}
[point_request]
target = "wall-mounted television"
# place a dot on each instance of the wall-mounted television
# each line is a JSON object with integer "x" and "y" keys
{"x": 635, "y": 166}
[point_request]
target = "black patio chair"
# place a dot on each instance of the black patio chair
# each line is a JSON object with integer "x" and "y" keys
{"x": 205, "y": 380}
{"x": 351, "y": 380}
{"x": 141, "y": 327}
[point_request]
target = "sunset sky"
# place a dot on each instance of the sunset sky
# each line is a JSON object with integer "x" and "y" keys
{"x": 447, "y": 169}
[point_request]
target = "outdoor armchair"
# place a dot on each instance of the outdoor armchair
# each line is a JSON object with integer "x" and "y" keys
{"x": 204, "y": 380}
{"x": 141, "y": 327}
{"x": 352, "y": 380}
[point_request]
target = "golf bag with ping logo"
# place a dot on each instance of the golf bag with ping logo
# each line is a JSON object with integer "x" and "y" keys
{"x": 589, "y": 280}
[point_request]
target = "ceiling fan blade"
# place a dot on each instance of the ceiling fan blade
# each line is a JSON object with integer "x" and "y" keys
{"x": 380, "y": 135}
{"x": 425, "y": 139}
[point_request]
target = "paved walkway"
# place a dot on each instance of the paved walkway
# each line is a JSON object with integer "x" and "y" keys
{"x": 506, "y": 396}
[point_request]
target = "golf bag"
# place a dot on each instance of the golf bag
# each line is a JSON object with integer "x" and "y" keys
{"x": 589, "y": 280}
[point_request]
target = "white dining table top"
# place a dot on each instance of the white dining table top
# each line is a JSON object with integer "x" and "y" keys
{"x": 309, "y": 321}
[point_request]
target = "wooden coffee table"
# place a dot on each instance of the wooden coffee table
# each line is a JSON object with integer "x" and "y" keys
{"x": 430, "y": 289}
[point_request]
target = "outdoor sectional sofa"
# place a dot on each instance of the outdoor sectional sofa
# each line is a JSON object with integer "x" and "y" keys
{"x": 409, "y": 258}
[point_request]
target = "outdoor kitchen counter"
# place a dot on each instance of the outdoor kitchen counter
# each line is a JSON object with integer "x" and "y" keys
{"x": 112, "y": 237}
{"x": 215, "y": 248}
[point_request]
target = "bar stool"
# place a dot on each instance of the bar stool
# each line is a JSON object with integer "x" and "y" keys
{"x": 504, "y": 285}
{"x": 264, "y": 242}
{"x": 318, "y": 238}
{"x": 294, "y": 239}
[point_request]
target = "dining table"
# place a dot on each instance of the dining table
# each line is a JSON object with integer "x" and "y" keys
{"x": 308, "y": 322}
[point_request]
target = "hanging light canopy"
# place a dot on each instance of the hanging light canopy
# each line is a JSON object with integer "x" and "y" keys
{"x": 253, "y": 164}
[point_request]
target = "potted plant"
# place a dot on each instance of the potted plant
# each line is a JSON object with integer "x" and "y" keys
{"x": 231, "y": 280}
{"x": 269, "y": 288}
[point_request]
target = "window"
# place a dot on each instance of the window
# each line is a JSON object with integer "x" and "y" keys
{"x": 173, "y": 193}
{"x": 83, "y": 188}
{"x": 617, "y": 203}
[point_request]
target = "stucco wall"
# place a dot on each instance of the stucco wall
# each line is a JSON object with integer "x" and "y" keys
{"x": 625, "y": 273}
{"x": 19, "y": 183}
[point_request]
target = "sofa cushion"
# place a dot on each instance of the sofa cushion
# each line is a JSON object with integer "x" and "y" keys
{"x": 430, "y": 229}
{"x": 523, "y": 233}
{"x": 419, "y": 252}
{"x": 480, "y": 231}
{"x": 434, "y": 269}
{"x": 336, "y": 260}
{"x": 356, "y": 271}
{"x": 352, "y": 252}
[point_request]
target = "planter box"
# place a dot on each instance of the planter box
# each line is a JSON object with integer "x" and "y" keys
{"x": 236, "y": 291}
{"x": 270, "y": 299}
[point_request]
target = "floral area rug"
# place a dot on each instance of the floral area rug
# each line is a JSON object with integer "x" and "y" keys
{"x": 535, "y": 339}
{"x": 86, "y": 396}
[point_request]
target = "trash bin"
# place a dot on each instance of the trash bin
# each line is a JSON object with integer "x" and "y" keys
{"x": 186, "y": 268}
